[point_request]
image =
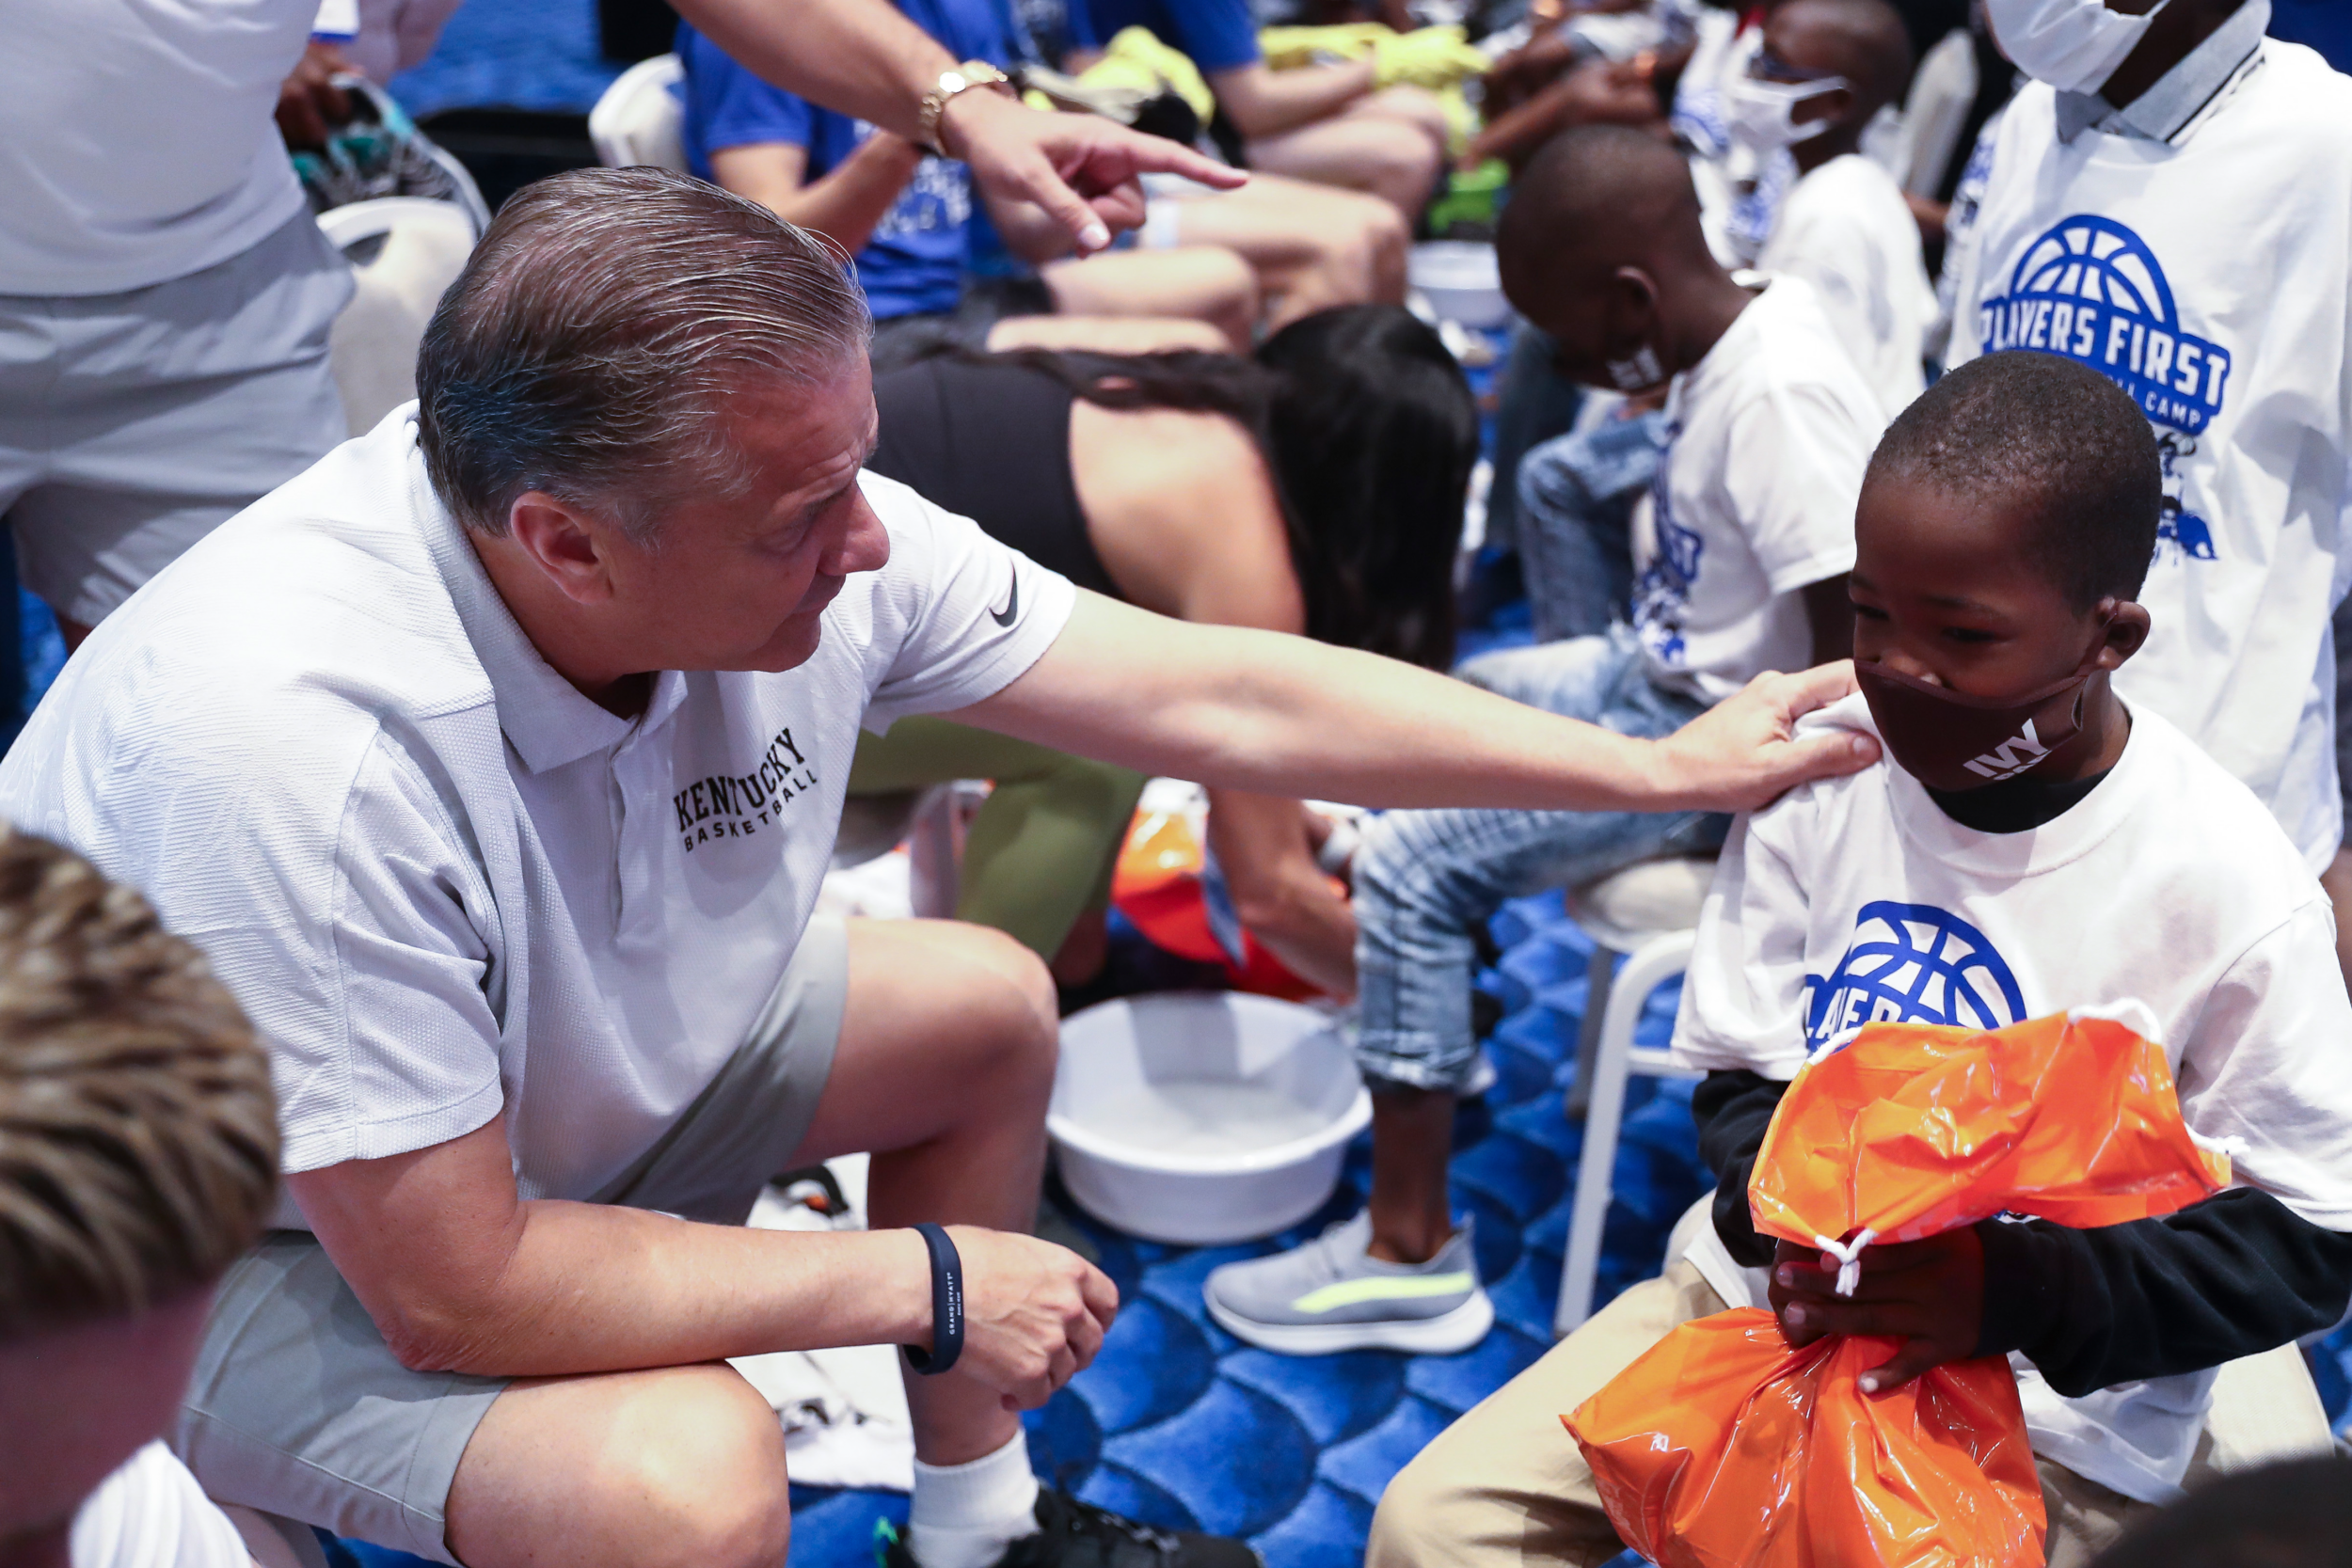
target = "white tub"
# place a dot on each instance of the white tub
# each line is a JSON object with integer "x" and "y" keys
{"x": 1203, "y": 1119}
{"x": 1461, "y": 281}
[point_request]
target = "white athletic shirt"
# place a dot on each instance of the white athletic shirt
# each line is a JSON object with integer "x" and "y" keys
{"x": 137, "y": 142}
{"x": 151, "y": 1513}
{"x": 2208, "y": 275}
{"x": 1856, "y": 898}
{"x": 1767, "y": 440}
{"x": 440, "y": 881}
{"x": 1846, "y": 230}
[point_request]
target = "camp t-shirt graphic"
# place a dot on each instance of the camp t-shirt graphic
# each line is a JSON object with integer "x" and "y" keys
{"x": 1912, "y": 964}
{"x": 2091, "y": 290}
{"x": 1661, "y": 592}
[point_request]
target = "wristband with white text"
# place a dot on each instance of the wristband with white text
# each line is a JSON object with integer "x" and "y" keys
{"x": 946, "y": 1305}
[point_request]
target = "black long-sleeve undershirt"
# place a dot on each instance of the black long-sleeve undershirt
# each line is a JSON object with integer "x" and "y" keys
{"x": 2234, "y": 1274}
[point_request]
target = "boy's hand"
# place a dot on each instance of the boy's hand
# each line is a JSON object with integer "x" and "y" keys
{"x": 1930, "y": 1294}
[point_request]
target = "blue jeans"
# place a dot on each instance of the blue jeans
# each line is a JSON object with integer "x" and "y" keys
{"x": 1576, "y": 496}
{"x": 1426, "y": 879}
{"x": 1534, "y": 403}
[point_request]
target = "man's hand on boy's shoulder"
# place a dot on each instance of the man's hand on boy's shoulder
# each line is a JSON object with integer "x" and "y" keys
{"x": 1739, "y": 755}
{"x": 1930, "y": 1294}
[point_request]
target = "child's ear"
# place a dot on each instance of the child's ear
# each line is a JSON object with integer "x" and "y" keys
{"x": 2126, "y": 633}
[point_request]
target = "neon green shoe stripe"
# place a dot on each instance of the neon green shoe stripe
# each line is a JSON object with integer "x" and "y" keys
{"x": 1349, "y": 1293}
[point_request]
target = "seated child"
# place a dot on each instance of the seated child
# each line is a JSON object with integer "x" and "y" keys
{"x": 2027, "y": 844}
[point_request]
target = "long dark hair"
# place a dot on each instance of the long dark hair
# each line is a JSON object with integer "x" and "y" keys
{"x": 1371, "y": 433}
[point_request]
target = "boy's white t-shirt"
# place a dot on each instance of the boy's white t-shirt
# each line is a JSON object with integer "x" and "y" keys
{"x": 151, "y": 1513}
{"x": 136, "y": 138}
{"x": 1767, "y": 438}
{"x": 2211, "y": 277}
{"x": 1846, "y": 230}
{"x": 443, "y": 884}
{"x": 1856, "y": 898}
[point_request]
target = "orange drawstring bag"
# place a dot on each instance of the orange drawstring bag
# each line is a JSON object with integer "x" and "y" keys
{"x": 1723, "y": 1447}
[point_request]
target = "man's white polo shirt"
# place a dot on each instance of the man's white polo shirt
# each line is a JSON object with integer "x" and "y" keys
{"x": 439, "y": 879}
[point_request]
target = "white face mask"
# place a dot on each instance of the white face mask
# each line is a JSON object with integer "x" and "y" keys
{"x": 1760, "y": 114}
{"x": 2075, "y": 45}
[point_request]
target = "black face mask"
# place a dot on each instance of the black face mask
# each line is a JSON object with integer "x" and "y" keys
{"x": 1950, "y": 741}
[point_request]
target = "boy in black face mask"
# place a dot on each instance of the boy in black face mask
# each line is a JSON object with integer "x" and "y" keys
{"x": 2029, "y": 846}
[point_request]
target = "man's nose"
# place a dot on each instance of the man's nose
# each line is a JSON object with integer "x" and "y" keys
{"x": 863, "y": 546}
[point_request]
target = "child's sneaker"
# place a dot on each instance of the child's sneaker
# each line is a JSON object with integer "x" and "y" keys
{"x": 1332, "y": 1295}
{"x": 1071, "y": 1534}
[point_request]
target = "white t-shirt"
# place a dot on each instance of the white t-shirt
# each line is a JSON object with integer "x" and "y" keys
{"x": 440, "y": 881}
{"x": 1856, "y": 898}
{"x": 151, "y": 1513}
{"x": 2209, "y": 278}
{"x": 1739, "y": 192}
{"x": 1767, "y": 440}
{"x": 1846, "y": 230}
{"x": 137, "y": 142}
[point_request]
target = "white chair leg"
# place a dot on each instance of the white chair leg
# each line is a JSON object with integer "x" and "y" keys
{"x": 1642, "y": 972}
{"x": 1599, "y": 972}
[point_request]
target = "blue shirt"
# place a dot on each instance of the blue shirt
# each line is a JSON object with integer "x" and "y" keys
{"x": 1216, "y": 35}
{"x": 914, "y": 262}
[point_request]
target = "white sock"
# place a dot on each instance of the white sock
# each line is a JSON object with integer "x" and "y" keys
{"x": 966, "y": 1515}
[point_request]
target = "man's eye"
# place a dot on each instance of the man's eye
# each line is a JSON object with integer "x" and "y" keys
{"x": 1870, "y": 612}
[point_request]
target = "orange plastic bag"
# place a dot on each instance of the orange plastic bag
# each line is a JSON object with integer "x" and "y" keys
{"x": 1723, "y": 1448}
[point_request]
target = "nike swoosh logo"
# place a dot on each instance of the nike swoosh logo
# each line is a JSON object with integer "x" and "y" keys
{"x": 1013, "y": 604}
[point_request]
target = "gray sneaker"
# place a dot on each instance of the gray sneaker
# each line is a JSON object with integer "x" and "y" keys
{"x": 1331, "y": 1295}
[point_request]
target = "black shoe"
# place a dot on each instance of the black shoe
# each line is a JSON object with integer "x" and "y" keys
{"x": 1071, "y": 1534}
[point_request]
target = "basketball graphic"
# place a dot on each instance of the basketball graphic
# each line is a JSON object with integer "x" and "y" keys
{"x": 1912, "y": 963}
{"x": 2091, "y": 290}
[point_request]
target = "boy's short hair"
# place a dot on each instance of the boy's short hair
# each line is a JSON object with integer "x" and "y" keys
{"x": 2035, "y": 425}
{"x": 138, "y": 1137}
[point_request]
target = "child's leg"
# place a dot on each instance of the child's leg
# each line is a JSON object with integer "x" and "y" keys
{"x": 1505, "y": 1484}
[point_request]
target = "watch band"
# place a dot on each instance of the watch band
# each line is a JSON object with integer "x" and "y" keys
{"x": 964, "y": 78}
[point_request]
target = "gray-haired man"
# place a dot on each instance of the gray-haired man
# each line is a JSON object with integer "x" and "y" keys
{"x": 495, "y": 762}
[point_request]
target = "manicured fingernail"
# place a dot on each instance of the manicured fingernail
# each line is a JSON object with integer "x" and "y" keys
{"x": 1093, "y": 237}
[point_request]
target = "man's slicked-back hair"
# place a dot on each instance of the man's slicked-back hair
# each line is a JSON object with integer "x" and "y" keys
{"x": 138, "y": 1137}
{"x": 2059, "y": 435}
{"x": 586, "y": 348}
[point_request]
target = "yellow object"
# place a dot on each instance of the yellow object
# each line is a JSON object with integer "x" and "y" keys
{"x": 1138, "y": 61}
{"x": 1431, "y": 57}
{"x": 1724, "y": 1447}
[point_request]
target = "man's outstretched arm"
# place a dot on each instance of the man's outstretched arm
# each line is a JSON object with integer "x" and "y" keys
{"x": 1257, "y": 710}
{"x": 863, "y": 59}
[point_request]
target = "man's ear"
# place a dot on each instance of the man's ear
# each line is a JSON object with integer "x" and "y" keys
{"x": 2126, "y": 631}
{"x": 563, "y": 543}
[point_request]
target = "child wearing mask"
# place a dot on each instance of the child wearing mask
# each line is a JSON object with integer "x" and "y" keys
{"x": 2168, "y": 203}
{"x": 2030, "y": 844}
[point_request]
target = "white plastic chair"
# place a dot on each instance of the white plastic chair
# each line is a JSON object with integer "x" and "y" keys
{"x": 1643, "y": 923}
{"x": 1936, "y": 111}
{"x": 404, "y": 251}
{"x": 639, "y": 120}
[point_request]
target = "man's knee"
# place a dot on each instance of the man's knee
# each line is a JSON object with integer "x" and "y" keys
{"x": 1011, "y": 1004}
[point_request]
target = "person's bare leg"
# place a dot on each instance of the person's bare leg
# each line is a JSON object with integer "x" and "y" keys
{"x": 943, "y": 1066}
{"x": 946, "y": 1063}
{"x": 1394, "y": 156}
{"x": 1312, "y": 247}
{"x": 1201, "y": 283}
{"x": 679, "y": 1465}
{"x": 2337, "y": 880}
{"x": 1106, "y": 334}
{"x": 1412, "y": 1142}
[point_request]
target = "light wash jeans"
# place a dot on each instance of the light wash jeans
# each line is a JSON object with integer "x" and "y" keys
{"x": 1576, "y": 496}
{"x": 1426, "y": 879}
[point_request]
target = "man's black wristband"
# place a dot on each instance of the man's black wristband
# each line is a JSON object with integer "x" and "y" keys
{"x": 946, "y": 1305}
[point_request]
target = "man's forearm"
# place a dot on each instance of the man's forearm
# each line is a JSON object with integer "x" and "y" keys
{"x": 1277, "y": 715}
{"x": 859, "y": 56}
{"x": 593, "y": 1288}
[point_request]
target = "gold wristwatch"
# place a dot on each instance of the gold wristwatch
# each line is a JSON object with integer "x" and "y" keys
{"x": 970, "y": 74}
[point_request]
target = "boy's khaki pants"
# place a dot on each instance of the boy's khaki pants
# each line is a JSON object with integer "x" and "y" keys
{"x": 1506, "y": 1484}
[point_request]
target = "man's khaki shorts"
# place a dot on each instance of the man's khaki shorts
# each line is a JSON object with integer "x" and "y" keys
{"x": 298, "y": 1408}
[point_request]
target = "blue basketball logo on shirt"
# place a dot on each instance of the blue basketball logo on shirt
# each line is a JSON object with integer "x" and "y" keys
{"x": 2091, "y": 289}
{"x": 1912, "y": 963}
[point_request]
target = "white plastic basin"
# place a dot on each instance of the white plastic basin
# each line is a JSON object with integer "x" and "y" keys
{"x": 1461, "y": 280}
{"x": 1203, "y": 1119}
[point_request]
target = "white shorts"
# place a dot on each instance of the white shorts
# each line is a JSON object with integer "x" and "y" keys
{"x": 133, "y": 424}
